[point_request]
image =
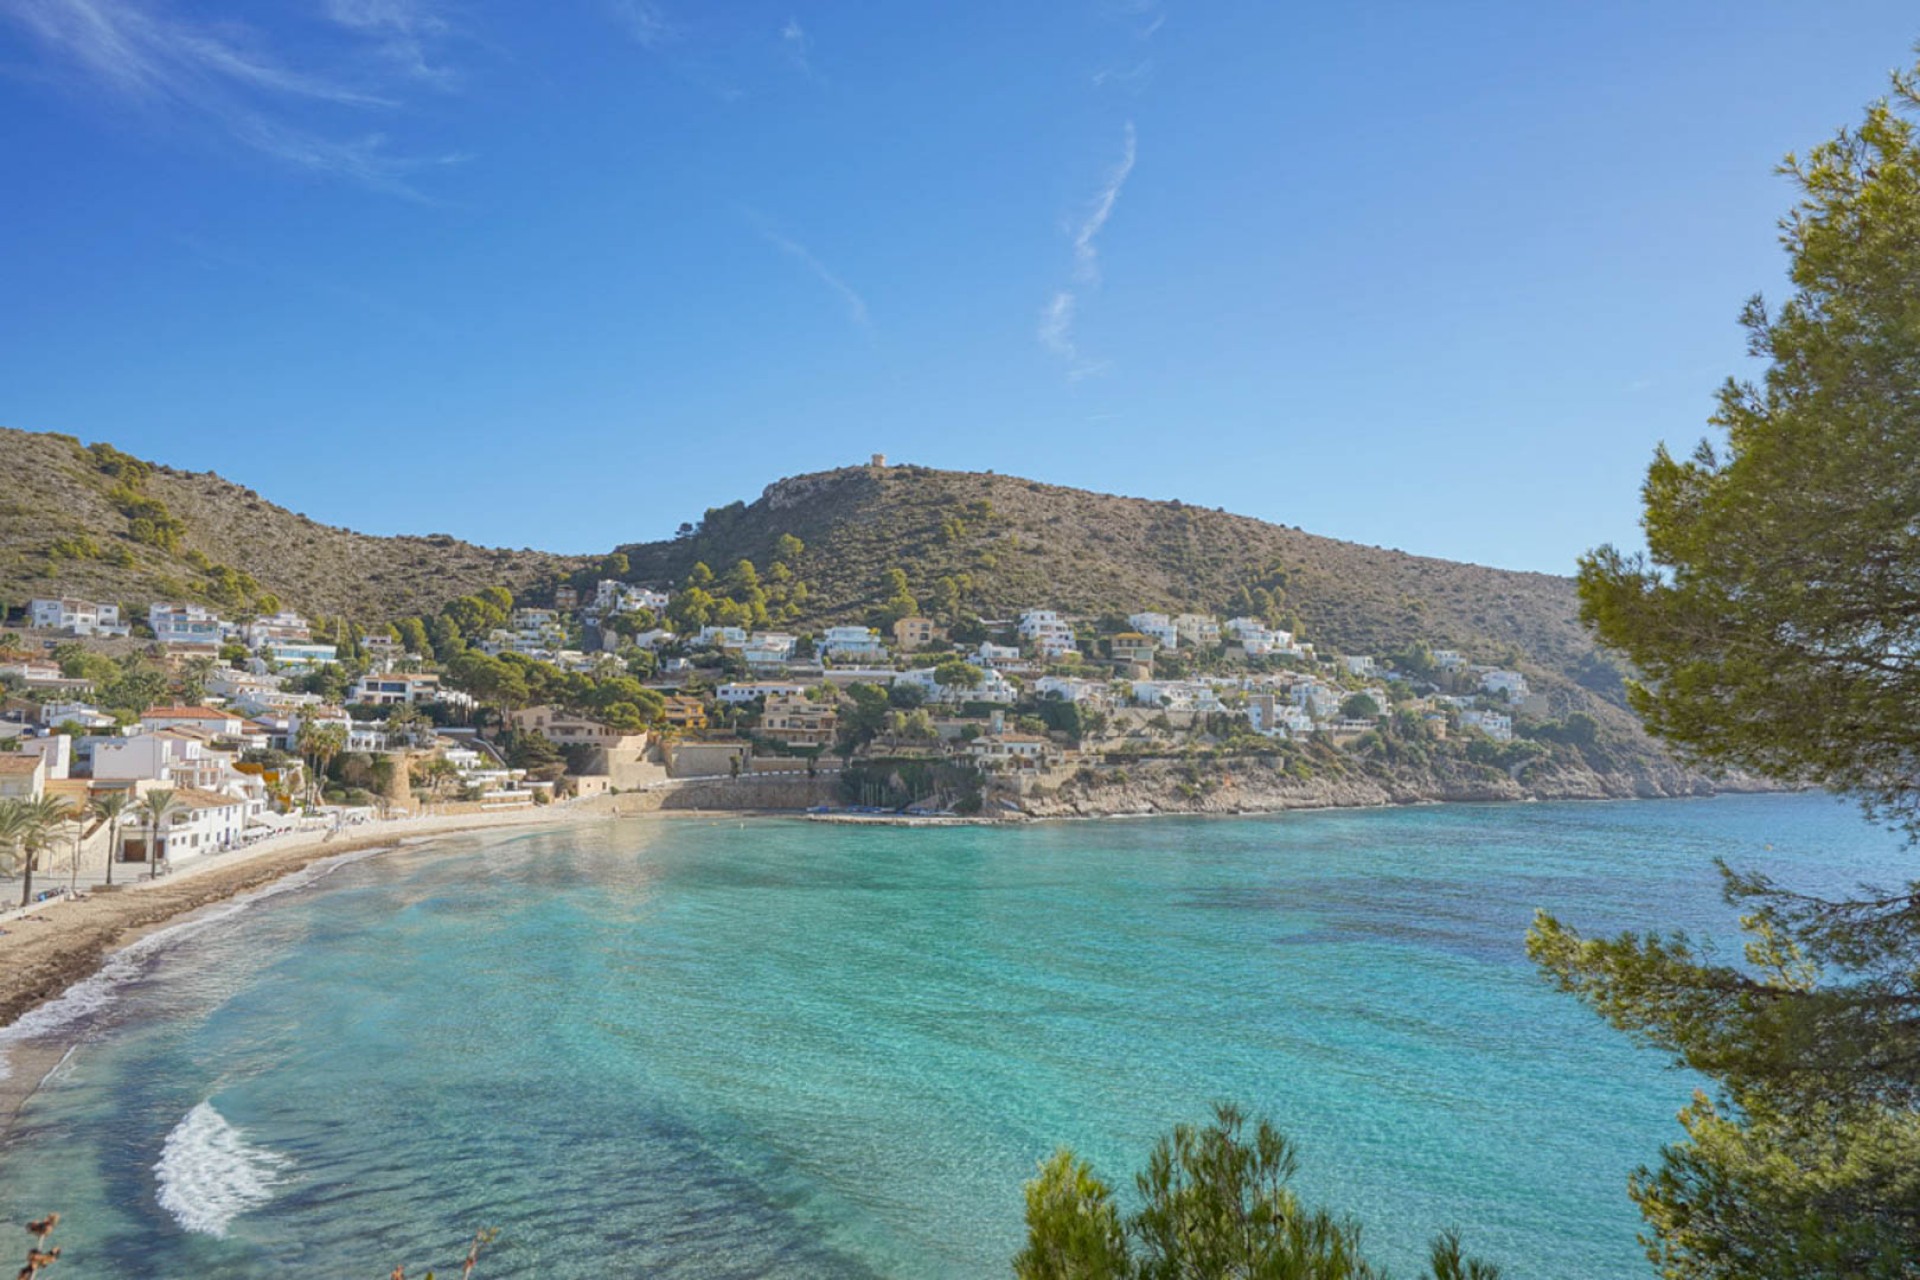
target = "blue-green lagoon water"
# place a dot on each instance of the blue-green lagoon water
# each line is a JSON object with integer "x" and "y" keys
{"x": 774, "y": 1048}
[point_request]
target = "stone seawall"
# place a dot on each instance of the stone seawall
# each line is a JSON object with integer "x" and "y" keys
{"x": 729, "y": 794}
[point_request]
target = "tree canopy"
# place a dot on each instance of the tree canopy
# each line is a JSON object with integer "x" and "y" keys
{"x": 1217, "y": 1203}
{"x": 1775, "y": 625}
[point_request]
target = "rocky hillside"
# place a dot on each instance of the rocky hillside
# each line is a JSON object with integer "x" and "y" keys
{"x": 999, "y": 544}
{"x": 90, "y": 520}
{"x": 94, "y": 522}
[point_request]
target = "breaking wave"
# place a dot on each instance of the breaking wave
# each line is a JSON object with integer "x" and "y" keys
{"x": 208, "y": 1174}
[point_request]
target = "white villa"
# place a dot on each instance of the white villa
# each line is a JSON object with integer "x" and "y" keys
{"x": 1092, "y": 693}
{"x": 993, "y": 687}
{"x": 745, "y": 691}
{"x": 83, "y": 714}
{"x": 994, "y": 655}
{"x": 1511, "y": 683}
{"x": 1157, "y": 627}
{"x": 1496, "y": 725}
{"x": 1049, "y": 633}
{"x": 1176, "y": 695}
{"x": 294, "y": 655}
{"x": 1277, "y": 718}
{"x": 1015, "y": 750}
{"x": 394, "y": 689}
{"x": 1198, "y": 629}
{"x": 186, "y": 624}
{"x": 77, "y": 617}
{"x": 768, "y": 648}
{"x": 851, "y": 642}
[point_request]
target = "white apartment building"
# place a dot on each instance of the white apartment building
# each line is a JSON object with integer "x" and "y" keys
{"x": 1277, "y": 718}
{"x": 1511, "y": 683}
{"x": 1494, "y": 724}
{"x": 186, "y": 624}
{"x": 201, "y": 823}
{"x": 1012, "y": 750}
{"x": 1198, "y": 629}
{"x": 744, "y": 691}
{"x": 851, "y": 642}
{"x": 1050, "y": 634}
{"x": 295, "y": 655}
{"x": 81, "y": 713}
{"x": 169, "y": 759}
{"x": 79, "y": 617}
{"x": 993, "y": 687}
{"x": 768, "y": 648}
{"x": 22, "y": 776}
{"x": 1156, "y": 626}
{"x": 1091, "y": 693}
{"x": 1321, "y": 701}
{"x": 994, "y": 655}
{"x": 1260, "y": 640}
{"x": 285, "y": 627}
{"x": 611, "y": 595}
{"x": 1176, "y": 695}
{"x": 203, "y": 719}
{"x": 395, "y": 689}
{"x": 56, "y": 750}
{"x": 233, "y": 683}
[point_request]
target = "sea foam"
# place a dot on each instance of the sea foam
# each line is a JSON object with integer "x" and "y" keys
{"x": 208, "y": 1174}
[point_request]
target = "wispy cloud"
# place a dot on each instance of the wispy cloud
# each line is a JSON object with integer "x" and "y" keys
{"x": 1131, "y": 78}
{"x": 1056, "y": 335}
{"x": 1057, "y": 318}
{"x": 1056, "y": 325}
{"x": 855, "y": 304}
{"x": 402, "y": 31}
{"x": 644, "y": 20}
{"x": 799, "y": 47}
{"x": 1146, "y": 17}
{"x": 1086, "y": 258}
{"x": 224, "y": 73}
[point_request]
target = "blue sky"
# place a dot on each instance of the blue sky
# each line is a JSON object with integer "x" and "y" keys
{"x": 1428, "y": 276}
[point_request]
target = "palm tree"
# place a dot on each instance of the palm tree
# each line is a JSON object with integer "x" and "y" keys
{"x": 155, "y": 807}
{"x": 193, "y": 678}
{"x": 320, "y": 743}
{"x": 13, "y": 829}
{"x": 39, "y": 818}
{"x": 108, "y": 806}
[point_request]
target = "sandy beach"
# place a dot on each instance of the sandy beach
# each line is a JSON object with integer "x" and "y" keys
{"x": 61, "y": 941}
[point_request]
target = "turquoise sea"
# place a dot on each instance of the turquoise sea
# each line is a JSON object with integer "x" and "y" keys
{"x": 772, "y": 1048}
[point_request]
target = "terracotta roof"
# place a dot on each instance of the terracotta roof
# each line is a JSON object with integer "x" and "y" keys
{"x": 19, "y": 762}
{"x": 187, "y": 713}
{"x": 192, "y": 798}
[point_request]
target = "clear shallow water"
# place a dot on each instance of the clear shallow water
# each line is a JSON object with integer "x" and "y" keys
{"x": 781, "y": 1048}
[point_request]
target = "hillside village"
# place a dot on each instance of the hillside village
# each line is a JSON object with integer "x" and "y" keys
{"x": 250, "y": 725}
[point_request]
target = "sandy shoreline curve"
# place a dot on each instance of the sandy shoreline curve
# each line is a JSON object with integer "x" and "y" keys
{"x": 61, "y": 941}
